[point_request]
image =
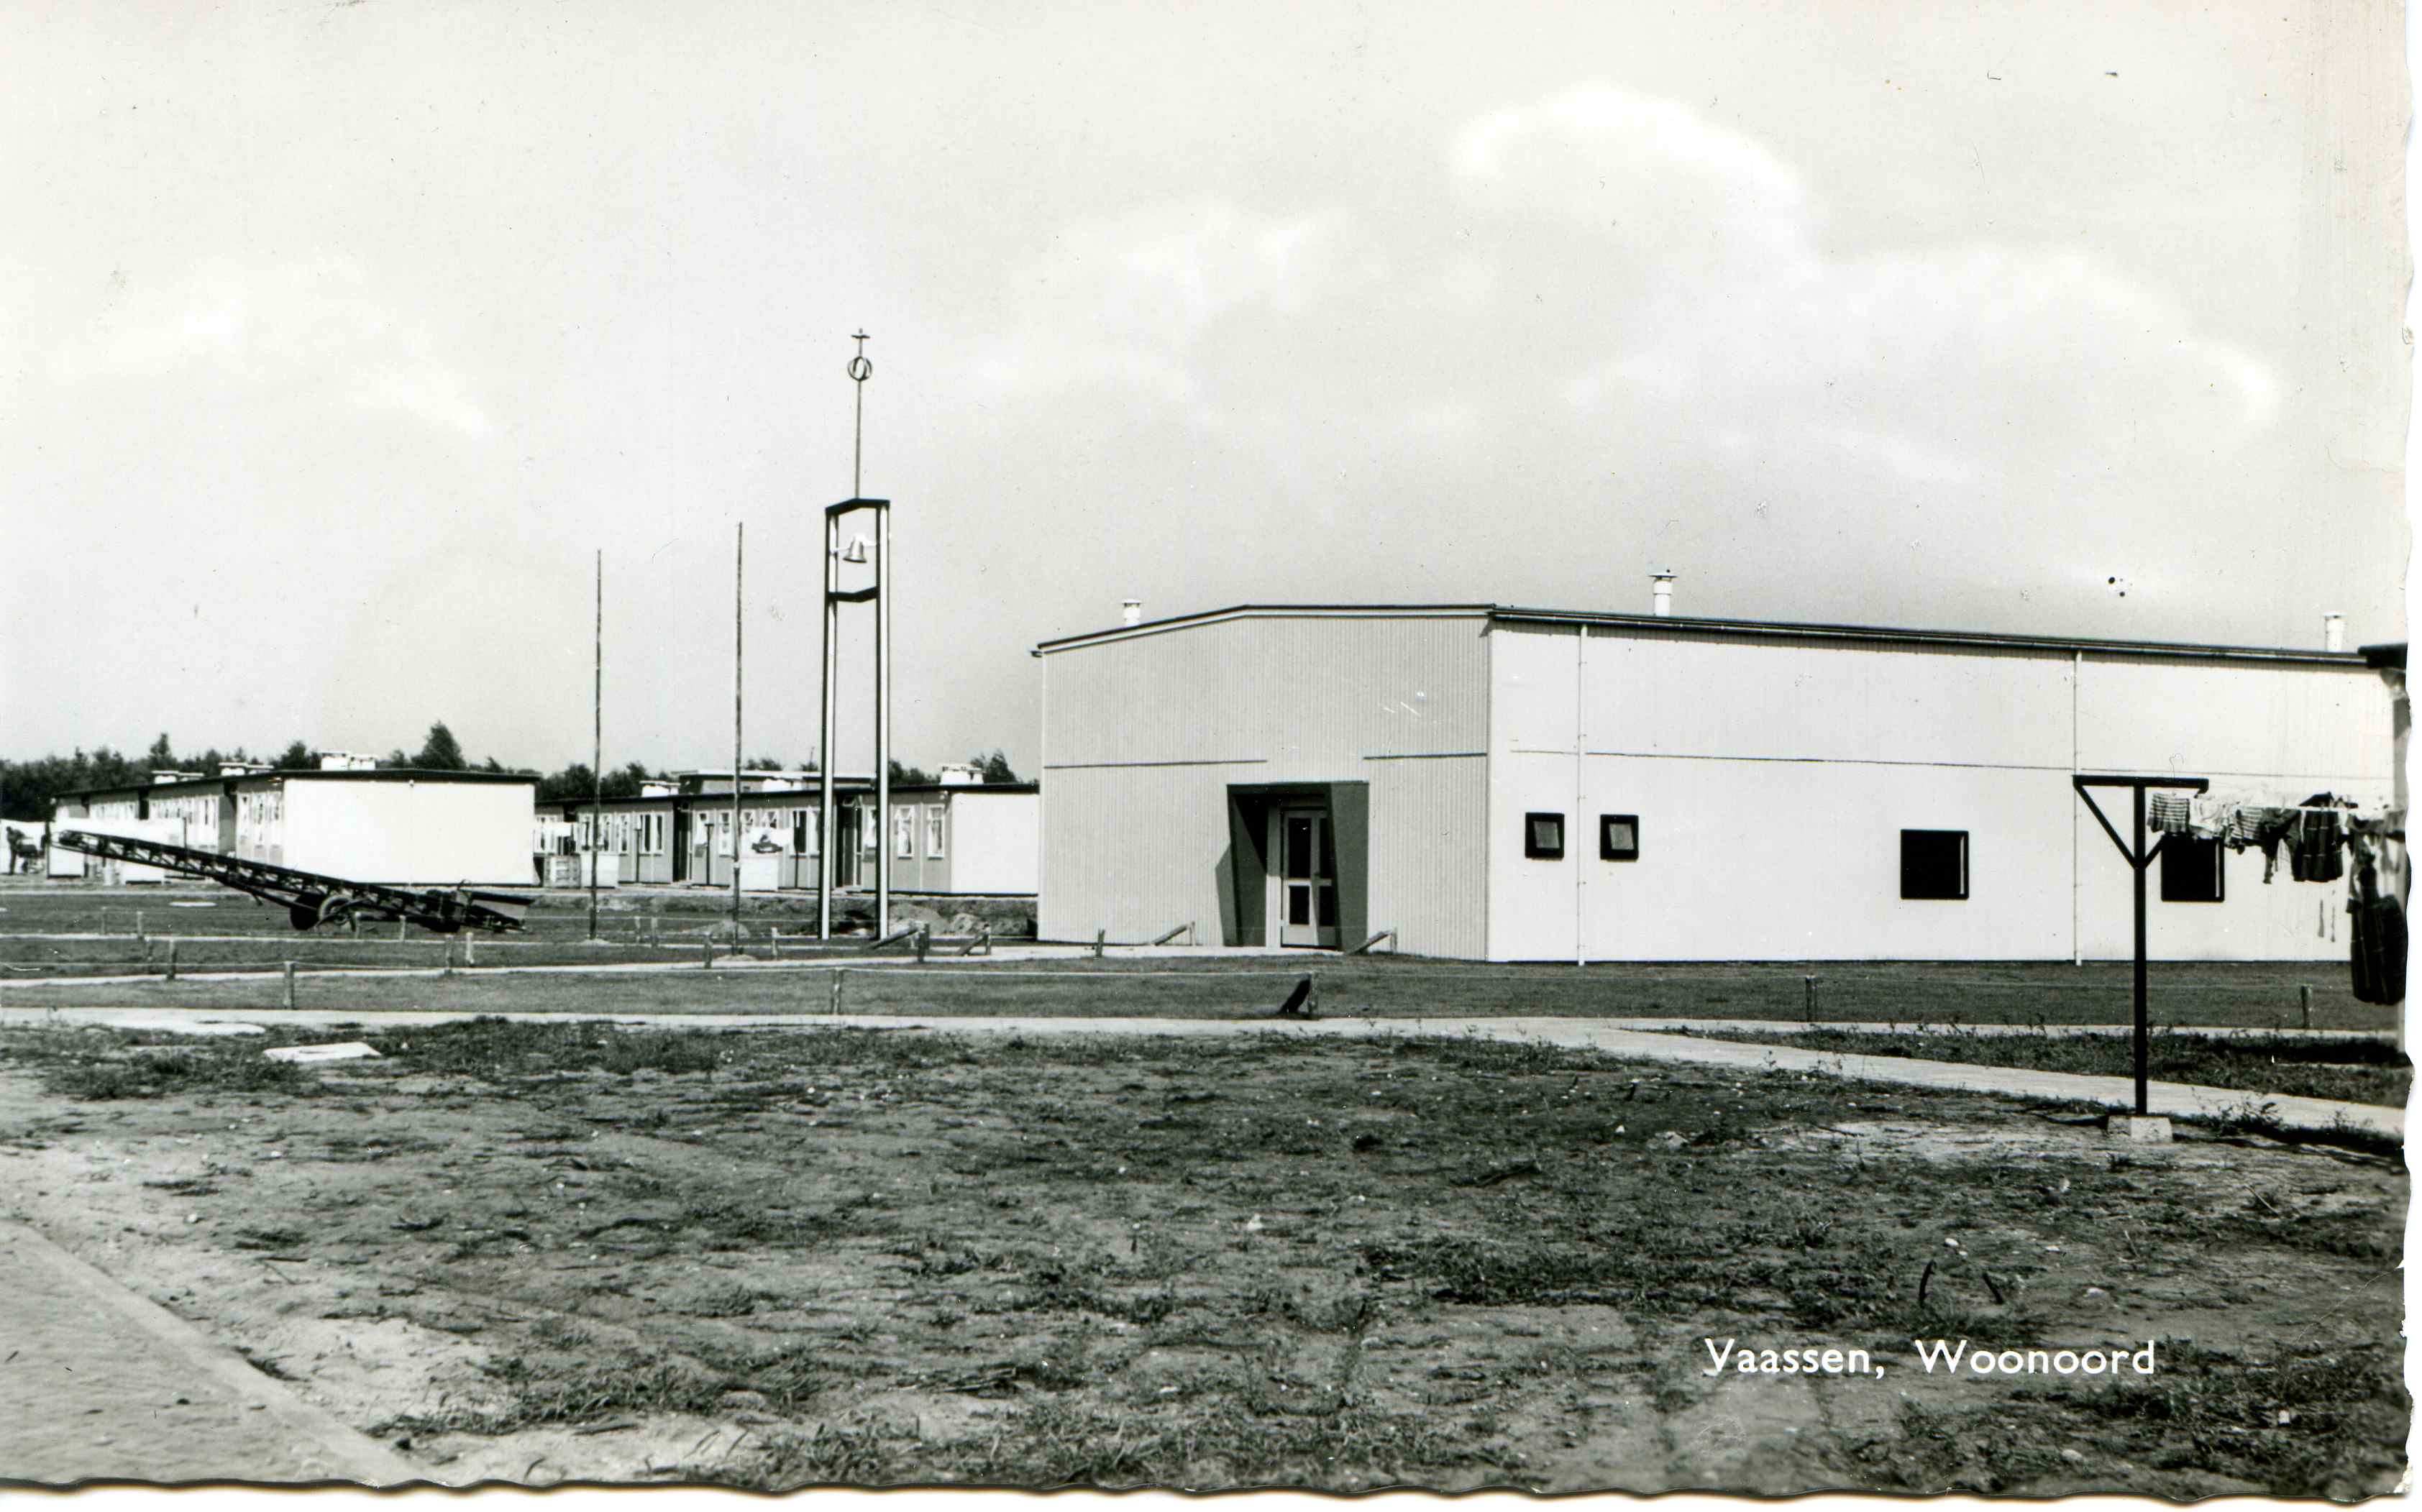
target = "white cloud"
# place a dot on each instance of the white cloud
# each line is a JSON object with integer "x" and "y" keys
{"x": 1648, "y": 172}
{"x": 315, "y": 323}
{"x": 1124, "y": 301}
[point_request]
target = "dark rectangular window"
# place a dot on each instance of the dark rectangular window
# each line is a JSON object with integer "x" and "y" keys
{"x": 1934, "y": 864}
{"x": 1619, "y": 837}
{"x": 2192, "y": 869}
{"x": 1542, "y": 836}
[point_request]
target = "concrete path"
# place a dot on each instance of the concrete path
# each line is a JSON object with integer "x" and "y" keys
{"x": 99, "y": 1384}
{"x": 2176, "y": 1099}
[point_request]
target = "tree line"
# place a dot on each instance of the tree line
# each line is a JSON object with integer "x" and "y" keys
{"x": 29, "y": 789}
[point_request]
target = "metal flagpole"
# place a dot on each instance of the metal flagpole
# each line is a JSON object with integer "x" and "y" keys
{"x": 597, "y": 746}
{"x": 883, "y": 715}
{"x": 739, "y": 544}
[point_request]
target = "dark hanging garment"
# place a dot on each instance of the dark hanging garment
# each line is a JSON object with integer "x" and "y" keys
{"x": 2313, "y": 854}
{"x": 2378, "y": 951}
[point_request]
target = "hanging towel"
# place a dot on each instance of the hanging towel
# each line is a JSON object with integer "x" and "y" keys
{"x": 2167, "y": 812}
{"x": 2210, "y": 818}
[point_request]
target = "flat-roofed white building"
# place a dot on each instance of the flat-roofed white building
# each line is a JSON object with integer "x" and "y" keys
{"x": 402, "y": 827}
{"x": 1526, "y": 784}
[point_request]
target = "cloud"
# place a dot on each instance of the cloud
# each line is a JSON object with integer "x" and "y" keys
{"x": 1123, "y": 300}
{"x": 1957, "y": 342}
{"x": 313, "y": 325}
{"x": 1656, "y": 286}
{"x": 1638, "y": 169}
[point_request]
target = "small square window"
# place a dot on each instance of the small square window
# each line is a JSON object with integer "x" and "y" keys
{"x": 1619, "y": 837}
{"x": 2193, "y": 871}
{"x": 1934, "y": 864}
{"x": 1542, "y": 836}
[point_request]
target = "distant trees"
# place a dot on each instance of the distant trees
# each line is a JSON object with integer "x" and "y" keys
{"x": 578, "y": 782}
{"x": 909, "y": 776}
{"x": 28, "y": 789}
{"x": 440, "y": 752}
{"x": 297, "y": 758}
{"x": 994, "y": 767}
{"x": 164, "y": 757}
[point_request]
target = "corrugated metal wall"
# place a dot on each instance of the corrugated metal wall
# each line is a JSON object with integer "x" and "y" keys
{"x": 1144, "y": 734}
{"x": 1429, "y": 882}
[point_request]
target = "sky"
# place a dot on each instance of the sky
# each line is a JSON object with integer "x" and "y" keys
{"x": 341, "y": 338}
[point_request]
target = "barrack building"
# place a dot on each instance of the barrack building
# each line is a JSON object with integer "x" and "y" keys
{"x": 1512, "y": 784}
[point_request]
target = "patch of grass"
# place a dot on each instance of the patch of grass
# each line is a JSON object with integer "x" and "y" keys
{"x": 228, "y": 1066}
{"x": 1057, "y": 1443}
{"x": 2370, "y": 1071}
{"x": 2247, "y": 994}
{"x": 825, "y": 1454}
{"x": 492, "y": 1048}
{"x": 536, "y": 1393}
{"x": 2322, "y": 1423}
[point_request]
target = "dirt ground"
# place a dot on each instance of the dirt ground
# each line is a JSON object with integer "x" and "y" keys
{"x": 546, "y": 1253}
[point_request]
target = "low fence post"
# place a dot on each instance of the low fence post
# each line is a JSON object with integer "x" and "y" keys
{"x": 1100, "y": 938}
{"x": 837, "y": 974}
{"x": 1812, "y": 998}
{"x": 2304, "y": 999}
{"x": 708, "y": 945}
{"x": 449, "y": 957}
{"x": 138, "y": 923}
{"x": 172, "y": 958}
{"x": 290, "y": 986}
{"x": 399, "y": 929}
{"x": 924, "y": 937}
{"x": 470, "y": 949}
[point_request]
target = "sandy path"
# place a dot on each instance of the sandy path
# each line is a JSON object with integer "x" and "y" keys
{"x": 99, "y": 1384}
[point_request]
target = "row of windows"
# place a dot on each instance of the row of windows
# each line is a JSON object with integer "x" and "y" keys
{"x": 1933, "y": 862}
{"x": 1619, "y": 837}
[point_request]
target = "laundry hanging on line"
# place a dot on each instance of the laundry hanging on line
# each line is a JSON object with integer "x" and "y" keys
{"x": 2311, "y": 833}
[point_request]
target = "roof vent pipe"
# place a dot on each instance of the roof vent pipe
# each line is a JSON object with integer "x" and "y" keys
{"x": 1131, "y": 611}
{"x": 1661, "y": 594}
{"x": 2333, "y": 632}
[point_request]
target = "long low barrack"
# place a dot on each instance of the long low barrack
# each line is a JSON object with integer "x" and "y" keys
{"x": 309, "y": 898}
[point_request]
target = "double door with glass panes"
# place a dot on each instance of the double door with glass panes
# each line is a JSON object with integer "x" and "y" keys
{"x": 1304, "y": 880}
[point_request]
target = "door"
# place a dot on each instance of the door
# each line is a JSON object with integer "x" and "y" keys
{"x": 1307, "y": 881}
{"x": 681, "y": 844}
{"x": 845, "y": 845}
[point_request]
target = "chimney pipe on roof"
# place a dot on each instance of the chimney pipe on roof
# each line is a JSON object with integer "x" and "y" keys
{"x": 2333, "y": 632}
{"x": 1131, "y": 611}
{"x": 1661, "y": 594}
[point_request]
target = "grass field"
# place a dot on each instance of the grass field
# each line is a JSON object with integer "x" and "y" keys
{"x": 540, "y": 1251}
{"x": 99, "y": 926}
{"x": 2254, "y": 997}
{"x": 2359, "y": 1070}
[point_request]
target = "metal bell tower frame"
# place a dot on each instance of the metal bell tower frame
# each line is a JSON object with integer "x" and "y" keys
{"x": 879, "y": 593}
